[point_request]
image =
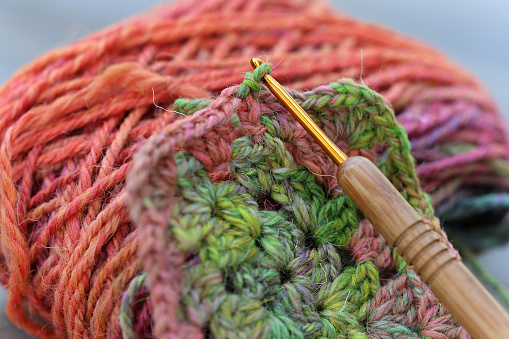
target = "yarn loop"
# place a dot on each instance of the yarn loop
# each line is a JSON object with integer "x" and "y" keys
{"x": 251, "y": 83}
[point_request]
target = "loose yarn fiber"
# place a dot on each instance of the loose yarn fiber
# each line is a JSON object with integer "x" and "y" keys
{"x": 231, "y": 223}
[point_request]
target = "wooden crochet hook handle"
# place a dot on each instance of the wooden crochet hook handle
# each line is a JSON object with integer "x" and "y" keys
{"x": 451, "y": 281}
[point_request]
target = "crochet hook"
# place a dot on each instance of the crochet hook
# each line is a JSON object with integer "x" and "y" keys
{"x": 449, "y": 279}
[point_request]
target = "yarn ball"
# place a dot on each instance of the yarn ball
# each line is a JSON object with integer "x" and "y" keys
{"x": 230, "y": 222}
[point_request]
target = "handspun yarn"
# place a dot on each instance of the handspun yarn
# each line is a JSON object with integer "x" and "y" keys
{"x": 232, "y": 223}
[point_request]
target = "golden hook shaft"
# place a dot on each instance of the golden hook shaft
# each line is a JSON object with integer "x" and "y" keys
{"x": 302, "y": 117}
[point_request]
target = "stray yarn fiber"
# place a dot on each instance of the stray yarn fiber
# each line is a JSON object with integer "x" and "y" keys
{"x": 232, "y": 223}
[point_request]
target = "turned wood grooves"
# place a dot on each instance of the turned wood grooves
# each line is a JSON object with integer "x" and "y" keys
{"x": 423, "y": 249}
{"x": 404, "y": 229}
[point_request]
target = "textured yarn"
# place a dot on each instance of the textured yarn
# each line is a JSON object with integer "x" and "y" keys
{"x": 230, "y": 222}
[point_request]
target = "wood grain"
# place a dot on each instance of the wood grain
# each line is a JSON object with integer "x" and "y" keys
{"x": 451, "y": 281}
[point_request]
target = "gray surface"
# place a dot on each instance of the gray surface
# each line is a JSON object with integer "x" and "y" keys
{"x": 472, "y": 33}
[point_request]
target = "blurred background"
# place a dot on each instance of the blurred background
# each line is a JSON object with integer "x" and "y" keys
{"x": 472, "y": 33}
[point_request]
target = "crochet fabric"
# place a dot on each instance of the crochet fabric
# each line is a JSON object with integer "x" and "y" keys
{"x": 231, "y": 223}
{"x": 271, "y": 249}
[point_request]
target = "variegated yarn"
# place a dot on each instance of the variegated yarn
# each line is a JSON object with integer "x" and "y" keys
{"x": 231, "y": 222}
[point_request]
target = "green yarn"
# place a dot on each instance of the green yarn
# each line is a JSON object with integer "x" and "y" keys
{"x": 126, "y": 313}
{"x": 189, "y": 106}
{"x": 252, "y": 80}
{"x": 256, "y": 250}
{"x": 265, "y": 292}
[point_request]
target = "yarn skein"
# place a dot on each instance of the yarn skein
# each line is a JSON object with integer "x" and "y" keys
{"x": 76, "y": 263}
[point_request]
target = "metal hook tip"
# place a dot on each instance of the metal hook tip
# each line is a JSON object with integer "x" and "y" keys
{"x": 255, "y": 62}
